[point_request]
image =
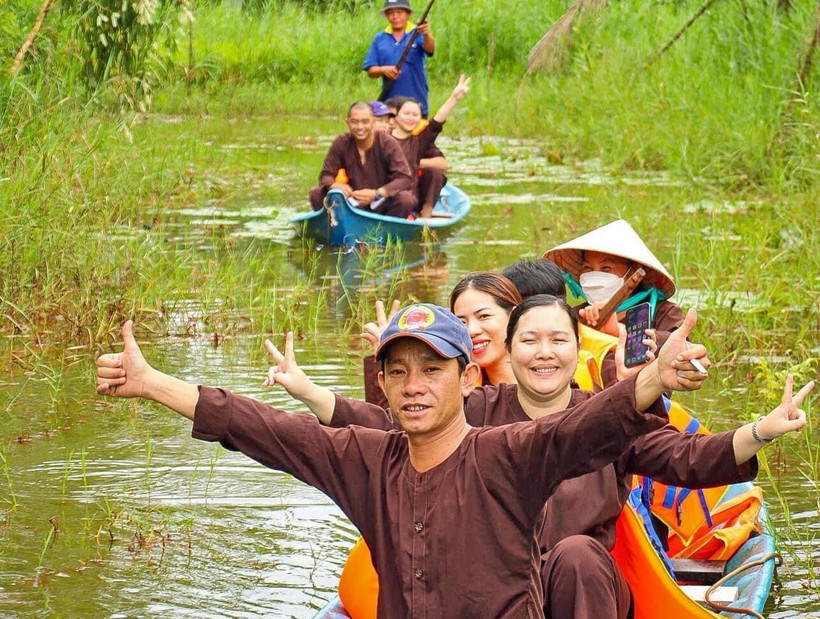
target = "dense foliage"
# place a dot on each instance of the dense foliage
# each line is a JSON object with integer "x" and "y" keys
{"x": 723, "y": 105}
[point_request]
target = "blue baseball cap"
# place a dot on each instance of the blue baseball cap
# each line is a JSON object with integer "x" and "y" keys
{"x": 435, "y": 326}
{"x": 380, "y": 109}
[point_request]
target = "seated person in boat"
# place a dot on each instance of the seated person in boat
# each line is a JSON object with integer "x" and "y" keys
{"x": 427, "y": 162}
{"x": 595, "y": 265}
{"x": 376, "y": 172}
{"x": 384, "y": 117}
{"x": 576, "y": 530}
{"x": 449, "y": 511}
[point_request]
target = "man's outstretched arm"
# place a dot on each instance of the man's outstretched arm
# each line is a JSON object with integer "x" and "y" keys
{"x": 128, "y": 375}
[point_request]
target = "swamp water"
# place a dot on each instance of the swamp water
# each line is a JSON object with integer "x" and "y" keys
{"x": 109, "y": 508}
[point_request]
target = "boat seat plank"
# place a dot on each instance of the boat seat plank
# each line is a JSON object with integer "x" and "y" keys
{"x": 702, "y": 571}
{"x": 722, "y": 595}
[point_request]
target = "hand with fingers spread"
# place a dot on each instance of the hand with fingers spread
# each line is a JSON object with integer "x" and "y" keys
{"x": 462, "y": 88}
{"x": 373, "y": 330}
{"x": 650, "y": 341}
{"x": 788, "y": 416}
{"x": 286, "y": 372}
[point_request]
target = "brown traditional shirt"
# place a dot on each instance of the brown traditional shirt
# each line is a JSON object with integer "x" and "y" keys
{"x": 421, "y": 146}
{"x": 384, "y": 166}
{"x": 457, "y": 540}
{"x": 590, "y": 504}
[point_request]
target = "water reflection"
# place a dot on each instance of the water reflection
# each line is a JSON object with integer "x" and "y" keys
{"x": 353, "y": 274}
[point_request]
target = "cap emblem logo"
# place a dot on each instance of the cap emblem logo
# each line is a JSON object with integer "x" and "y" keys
{"x": 416, "y": 318}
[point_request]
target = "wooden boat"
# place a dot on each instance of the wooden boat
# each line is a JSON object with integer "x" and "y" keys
{"x": 747, "y": 575}
{"x": 342, "y": 224}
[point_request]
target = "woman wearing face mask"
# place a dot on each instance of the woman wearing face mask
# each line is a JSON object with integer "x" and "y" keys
{"x": 595, "y": 264}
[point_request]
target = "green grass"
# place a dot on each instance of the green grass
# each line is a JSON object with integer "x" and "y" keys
{"x": 719, "y": 108}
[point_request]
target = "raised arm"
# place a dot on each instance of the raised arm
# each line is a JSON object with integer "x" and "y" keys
{"x": 128, "y": 375}
{"x": 287, "y": 373}
{"x": 461, "y": 89}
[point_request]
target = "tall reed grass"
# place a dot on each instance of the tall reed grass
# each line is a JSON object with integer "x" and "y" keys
{"x": 723, "y": 102}
{"x": 721, "y": 107}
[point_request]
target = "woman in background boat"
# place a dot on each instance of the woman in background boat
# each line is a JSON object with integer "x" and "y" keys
{"x": 427, "y": 162}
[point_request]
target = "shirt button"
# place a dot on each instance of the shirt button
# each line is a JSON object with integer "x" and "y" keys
{"x": 418, "y": 527}
{"x": 419, "y": 574}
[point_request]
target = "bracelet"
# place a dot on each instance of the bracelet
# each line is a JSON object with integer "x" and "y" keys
{"x": 756, "y": 436}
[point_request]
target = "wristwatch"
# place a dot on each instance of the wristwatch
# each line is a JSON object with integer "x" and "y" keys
{"x": 379, "y": 194}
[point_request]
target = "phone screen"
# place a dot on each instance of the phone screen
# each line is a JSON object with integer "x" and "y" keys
{"x": 637, "y": 322}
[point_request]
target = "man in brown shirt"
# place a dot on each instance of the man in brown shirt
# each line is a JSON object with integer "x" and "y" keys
{"x": 448, "y": 511}
{"x": 377, "y": 174}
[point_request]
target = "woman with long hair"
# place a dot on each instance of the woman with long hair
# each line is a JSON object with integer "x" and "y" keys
{"x": 483, "y": 301}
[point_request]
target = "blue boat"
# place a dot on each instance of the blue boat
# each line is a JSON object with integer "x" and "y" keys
{"x": 341, "y": 224}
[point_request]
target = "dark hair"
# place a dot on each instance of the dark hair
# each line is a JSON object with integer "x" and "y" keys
{"x": 501, "y": 289}
{"x": 406, "y": 101}
{"x": 395, "y": 102}
{"x": 359, "y": 105}
{"x": 535, "y": 301}
{"x": 540, "y": 276}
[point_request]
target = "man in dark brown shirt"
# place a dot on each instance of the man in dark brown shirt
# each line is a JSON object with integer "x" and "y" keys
{"x": 376, "y": 172}
{"x": 448, "y": 511}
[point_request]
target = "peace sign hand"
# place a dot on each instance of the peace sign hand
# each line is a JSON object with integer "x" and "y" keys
{"x": 373, "y": 330}
{"x": 788, "y": 416}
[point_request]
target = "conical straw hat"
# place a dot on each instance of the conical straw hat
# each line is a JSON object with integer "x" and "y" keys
{"x": 617, "y": 239}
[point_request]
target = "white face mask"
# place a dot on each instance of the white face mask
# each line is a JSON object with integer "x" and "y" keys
{"x": 599, "y": 286}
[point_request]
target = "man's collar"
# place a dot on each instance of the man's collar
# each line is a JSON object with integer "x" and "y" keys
{"x": 407, "y": 28}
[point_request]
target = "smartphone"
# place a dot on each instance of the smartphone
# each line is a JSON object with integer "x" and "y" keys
{"x": 637, "y": 322}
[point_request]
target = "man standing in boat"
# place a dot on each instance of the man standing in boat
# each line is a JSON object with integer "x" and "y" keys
{"x": 387, "y": 47}
{"x": 448, "y": 511}
{"x": 369, "y": 166}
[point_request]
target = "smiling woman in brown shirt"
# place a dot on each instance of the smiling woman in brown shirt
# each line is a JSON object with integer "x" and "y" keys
{"x": 448, "y": 510}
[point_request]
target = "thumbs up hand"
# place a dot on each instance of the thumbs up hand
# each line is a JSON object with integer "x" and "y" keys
{"x": 123, "y": 374}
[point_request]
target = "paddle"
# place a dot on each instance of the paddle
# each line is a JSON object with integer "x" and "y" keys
{"x": 388, "y": 83}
